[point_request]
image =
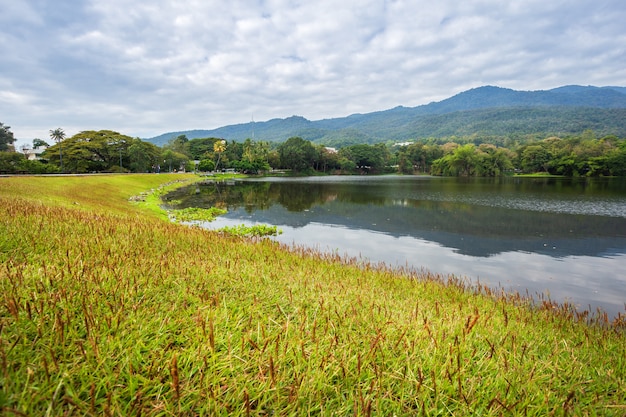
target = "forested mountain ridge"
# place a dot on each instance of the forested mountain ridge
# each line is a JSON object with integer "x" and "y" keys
{"x": 487, "y": 110}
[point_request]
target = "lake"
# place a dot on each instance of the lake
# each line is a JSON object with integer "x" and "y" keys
{"x": 557, "y": 237}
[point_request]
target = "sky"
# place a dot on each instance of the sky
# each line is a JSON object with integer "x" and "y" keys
{"x": 143, "y": 68}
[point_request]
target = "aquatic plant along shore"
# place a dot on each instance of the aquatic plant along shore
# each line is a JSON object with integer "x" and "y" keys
{"x": 108, "y": 308}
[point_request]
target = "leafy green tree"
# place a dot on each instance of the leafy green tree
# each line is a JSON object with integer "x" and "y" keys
{"x": 11, "y": 162}
{"x": 92, "y": 151}
{"x": 405, "y": 164}
{"x": 409, "y": 158}
{"x": 535, "y": 158}
{"x": 6, "y": 138}
{"x": 179, "y": 144}
{"x": 432, "y": 153}
{"x": 206, "y": 165}
{"x": 346, "y": 165}
{"x": 201, "y": 148}
{"x": 38, "y": 167}
{"x": 254, "y": 158}
{"x": 565, "y": 165}
{"x": 39, "y": 142}
{"x": 273, "y": 158}
{"x": 464, "y": 160}
{"x": 418, "y": 157}
{"x": 17, "y": 163}
{"x": 616, "y": 160}
{"x": 328, "y": 158}
{"x": 492, "y": 161}
{"x": 297, "y": 154}
{"x": 367, "y": 158}
{"x": 143, "y": 156}
{"x": 233, "y": 153}
{"x": 173, "y": 161}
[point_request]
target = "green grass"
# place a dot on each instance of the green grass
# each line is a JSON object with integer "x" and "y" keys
{"x": 92, "y": 192}
{"x": 194, "y": 214}
{"x": 257, "y": 230}
{"x": 108, "y": 309}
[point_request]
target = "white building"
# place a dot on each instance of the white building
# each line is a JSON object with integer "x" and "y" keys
{"x": 35, "y": 153}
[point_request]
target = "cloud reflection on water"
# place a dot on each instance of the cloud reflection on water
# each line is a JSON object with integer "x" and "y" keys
{"x": 565, "y": 237}
{"x": 585, "y": 281}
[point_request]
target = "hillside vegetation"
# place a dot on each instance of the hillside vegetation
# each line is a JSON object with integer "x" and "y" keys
{"x": 485, "y": 111}
{"x": 107, "y": 309}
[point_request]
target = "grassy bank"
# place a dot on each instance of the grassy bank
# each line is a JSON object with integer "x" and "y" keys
{"x": 107, "y": 309}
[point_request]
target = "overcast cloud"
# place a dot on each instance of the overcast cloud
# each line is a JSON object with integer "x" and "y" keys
{"x": 148, "y": 67}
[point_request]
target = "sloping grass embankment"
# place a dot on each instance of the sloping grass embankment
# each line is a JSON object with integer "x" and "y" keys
{"x": 107, "y": 309}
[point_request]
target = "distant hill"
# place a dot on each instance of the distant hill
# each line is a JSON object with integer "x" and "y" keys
{"x": 487, "y": 110}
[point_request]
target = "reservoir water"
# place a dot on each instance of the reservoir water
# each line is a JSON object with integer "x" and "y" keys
{"x": 553, "y": 237}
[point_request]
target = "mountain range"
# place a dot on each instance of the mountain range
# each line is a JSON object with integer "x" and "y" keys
{"x": 487, "y": 111}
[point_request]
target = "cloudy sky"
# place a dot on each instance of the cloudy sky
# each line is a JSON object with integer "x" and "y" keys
{"x": 144, "y": 68}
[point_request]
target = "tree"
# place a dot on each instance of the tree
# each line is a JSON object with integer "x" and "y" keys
{"x": 16, "y": 163}
{"x": 92, "y": 151}
{"x": 6, "y": 138}
{"x": 255, "y": 157}
{"x": 462, "y": 161}
{"x": 346, "y": 165}
{"x": 616, "y": 160}
{"x": 535, "y": 158}
{"x": 143, "y": 156}
{"x": 367, "y": 158}
{"x": 492, "y": 161}
{"x": 328, "y": 158}
{"x": 39, "y": 142}
{"x": 179, "y": 144}
{"x": 297, "y": 154}
{"x": 11, "y": 162}
{"x": 58, "y": 135}
{"x": 405, "y": 164}
{"x": 206, "y": 165}
{"x": 219, "y": 147}
{"x": 273, "y": 158}
{"x": 201, "y": 148}
{"x": 412, "y": 157}
{"x": 233, "y": 152}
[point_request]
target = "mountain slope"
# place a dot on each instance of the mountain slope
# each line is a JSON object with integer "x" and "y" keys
{"x": 486, "y": 110}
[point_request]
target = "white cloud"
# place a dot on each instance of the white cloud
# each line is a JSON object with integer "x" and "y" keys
{"x": 145, "y": 68}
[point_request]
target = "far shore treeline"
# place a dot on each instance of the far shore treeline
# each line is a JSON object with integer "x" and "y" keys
{"x": 109, "y": 151}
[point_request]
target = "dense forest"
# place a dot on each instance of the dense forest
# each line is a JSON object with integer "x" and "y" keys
{"x": 475, "y": 155}
{"x": 484, "y": 111}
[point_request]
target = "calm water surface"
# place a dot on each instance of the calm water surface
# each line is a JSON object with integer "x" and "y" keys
{"x": 565, "y": 238}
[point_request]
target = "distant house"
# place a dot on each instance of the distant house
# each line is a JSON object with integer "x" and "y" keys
{"x": 34, "y": 154}
{"x": 330, "y": 150}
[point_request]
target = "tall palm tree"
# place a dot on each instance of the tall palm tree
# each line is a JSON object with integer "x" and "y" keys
{"x": 219, "y": 147}
{"x": 58, "y": 135}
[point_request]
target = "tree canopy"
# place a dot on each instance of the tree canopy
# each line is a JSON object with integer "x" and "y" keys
{"x": 297, "y": 154}
{"x": 6, "y": 138}
{"x": 109, "y": 151}
{"x": 40, "y": 142}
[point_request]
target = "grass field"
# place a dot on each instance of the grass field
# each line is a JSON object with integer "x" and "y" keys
{"x": 107, "y": 308}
